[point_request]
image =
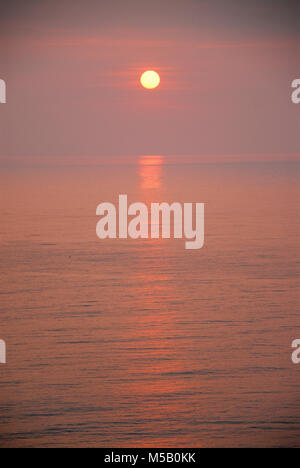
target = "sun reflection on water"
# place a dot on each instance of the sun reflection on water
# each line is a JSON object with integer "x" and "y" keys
{"x": 150, "y": 171}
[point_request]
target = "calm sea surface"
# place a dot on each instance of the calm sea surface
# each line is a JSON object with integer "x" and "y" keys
{"x": 141, "y": 343}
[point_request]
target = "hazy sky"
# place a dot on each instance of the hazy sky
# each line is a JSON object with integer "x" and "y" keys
{"x": 72, "y": 71}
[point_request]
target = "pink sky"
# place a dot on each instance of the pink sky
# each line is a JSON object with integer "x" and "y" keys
{"x": 72, "y": 72}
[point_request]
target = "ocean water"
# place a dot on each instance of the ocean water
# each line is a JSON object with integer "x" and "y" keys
{"x": 141, "y": 343}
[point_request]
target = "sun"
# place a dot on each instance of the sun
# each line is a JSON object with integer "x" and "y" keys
{"x": 150, "y": 79}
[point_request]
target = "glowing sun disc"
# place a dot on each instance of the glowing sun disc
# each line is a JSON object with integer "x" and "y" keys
{"x": 150, "y": 79}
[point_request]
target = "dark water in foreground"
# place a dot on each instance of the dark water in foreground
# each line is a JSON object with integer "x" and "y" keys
{"x": 142, "y": 343}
